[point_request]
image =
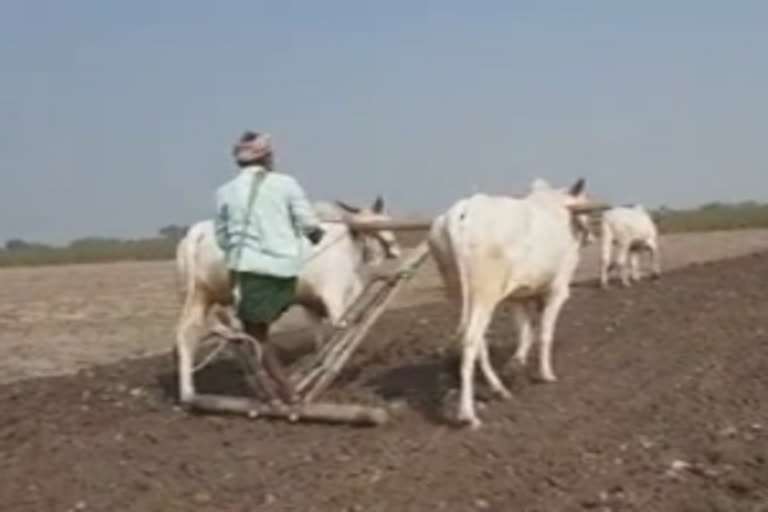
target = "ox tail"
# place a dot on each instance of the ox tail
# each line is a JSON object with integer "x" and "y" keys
{"x": 182, "y": 268}
{"x": 456, "y": 236}
{"x": 185, "y": 264}
{"x": 606, "y": 234}
{"x": 221, "y": 318}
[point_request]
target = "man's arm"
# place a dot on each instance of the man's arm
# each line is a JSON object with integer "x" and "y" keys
{"x": 303, "y": 212}
{"x": 220, "y": 223}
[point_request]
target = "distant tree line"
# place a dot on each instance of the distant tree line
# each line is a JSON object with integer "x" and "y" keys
{"x": 713, "y": 216}
{"x": 92, "y": 249}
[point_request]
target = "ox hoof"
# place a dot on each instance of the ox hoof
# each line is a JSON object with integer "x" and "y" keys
{"x": 518, "y": 361}
{"x": 186, "y": 405}
{"x": 548, "y": 377}
{"x": 470, "y": 422}
{"x": 186, "y": 398}
{"x": 502, "y": 393}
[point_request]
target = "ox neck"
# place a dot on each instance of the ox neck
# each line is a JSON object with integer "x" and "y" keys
{"x": 359, "y": 243}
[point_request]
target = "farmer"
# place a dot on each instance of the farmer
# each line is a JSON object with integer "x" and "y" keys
{"x": 261, "y": 217}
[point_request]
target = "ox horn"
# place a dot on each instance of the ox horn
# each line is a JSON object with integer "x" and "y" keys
{"x": 378, "y": 205}
{"x": 589, "y": 207}
{"x": 347, "y": 207}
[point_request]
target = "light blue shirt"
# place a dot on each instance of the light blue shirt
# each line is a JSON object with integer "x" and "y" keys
{"x": 272, "y": 242}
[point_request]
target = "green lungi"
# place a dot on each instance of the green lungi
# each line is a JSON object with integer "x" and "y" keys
{"x": 263, "y": 298}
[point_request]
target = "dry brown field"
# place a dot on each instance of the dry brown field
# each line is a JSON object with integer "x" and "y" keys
{"x": 661, "y": 404}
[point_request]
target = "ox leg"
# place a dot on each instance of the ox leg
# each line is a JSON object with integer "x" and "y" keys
{"x": 318, "y": 326}
{"x": 549, "y": 315}
{"x": 320, "y": 333}
{"x": 606, "y": 248}
{"x": 655, "y": 260}
{"x": 490, "y": 375}
{"x": 621, "y": 263}
{"x": 472, "y": 345}
{"x": 634, "y": 265}
{"x": 605, "y": 264}
{"x": 188, "y": 332}
{"x": 524, "y": 332}
{"x": 604, "y": 267}
{"x": 336, "y": 304}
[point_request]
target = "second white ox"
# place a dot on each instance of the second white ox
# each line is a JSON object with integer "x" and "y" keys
{"x": 489, "y": 248}
{"x": 329, "y": 282}
{"x": 629, "y": 230}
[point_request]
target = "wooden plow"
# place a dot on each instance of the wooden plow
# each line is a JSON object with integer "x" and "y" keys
{"x": 315, "y": 372}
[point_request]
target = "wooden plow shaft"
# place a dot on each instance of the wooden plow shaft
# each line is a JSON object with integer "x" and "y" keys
{"x": 321, "y": 412}
{"x": 377, "y": 225}
{"x": 326, "y": 366}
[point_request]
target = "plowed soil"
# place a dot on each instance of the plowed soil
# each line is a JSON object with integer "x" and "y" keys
{"x": 661, "y": 406}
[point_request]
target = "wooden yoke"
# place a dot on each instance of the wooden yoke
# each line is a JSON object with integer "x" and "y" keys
{"x": 394, "y": 225}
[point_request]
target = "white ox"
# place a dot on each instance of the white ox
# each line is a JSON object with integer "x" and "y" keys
{"x": 629, "y": 230}
{"x": 329, "y": 282}
{"x": 489, "y": 248}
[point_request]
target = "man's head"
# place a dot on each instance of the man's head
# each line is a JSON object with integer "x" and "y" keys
{"x": 253, "y": 148}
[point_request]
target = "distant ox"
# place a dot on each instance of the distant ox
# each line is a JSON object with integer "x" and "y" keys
{"x": 489, "y": 248}
{"x": 629, "y": 230}
{"x": 330, "y": 281}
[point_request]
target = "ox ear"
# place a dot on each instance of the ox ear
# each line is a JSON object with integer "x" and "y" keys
{"x": 349, "y": 220}
{"x": 577, "y": 188}
{"x": 378, "y": 205}
{"x": 347, "y": 207}
{"x": 540, "y": 184}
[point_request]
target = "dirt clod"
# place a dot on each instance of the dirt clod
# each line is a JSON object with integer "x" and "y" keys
{"x": 659, "y": 388}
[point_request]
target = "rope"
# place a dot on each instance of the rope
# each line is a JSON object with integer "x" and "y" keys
{"x": 211, "y": 355}
{"x": 225, "y": 336}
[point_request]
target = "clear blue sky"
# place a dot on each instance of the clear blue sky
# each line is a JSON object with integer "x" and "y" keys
{"x": 118, "y": 117}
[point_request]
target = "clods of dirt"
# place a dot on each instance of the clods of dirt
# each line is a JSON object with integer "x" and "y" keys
{"x": 661, "y": 406}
